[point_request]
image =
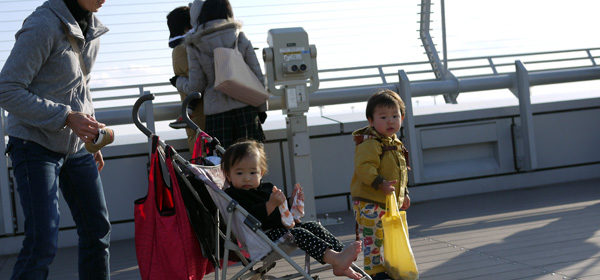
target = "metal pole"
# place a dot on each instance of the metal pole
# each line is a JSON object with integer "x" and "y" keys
{"x": 410, "y": 140}
{"x": 299, "y": 152}
{"x": 526, "y": 114}
{"x": 6, "y": 213}
{"x": 444, "y": 49}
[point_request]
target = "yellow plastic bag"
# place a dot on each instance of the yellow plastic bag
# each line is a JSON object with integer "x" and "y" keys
{"x": 398, "y": 256}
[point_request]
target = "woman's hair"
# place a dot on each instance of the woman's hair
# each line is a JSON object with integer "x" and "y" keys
{"x": 387, "y": 98}
{"x": 215, "y": 9}
{"x": 178, "y": 21}
{"x": 242, "y": 149}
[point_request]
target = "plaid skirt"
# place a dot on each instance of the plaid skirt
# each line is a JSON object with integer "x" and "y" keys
{"x": 230, "y": 126}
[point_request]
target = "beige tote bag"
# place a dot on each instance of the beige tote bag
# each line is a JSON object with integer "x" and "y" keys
{"x": 235, "y": 78}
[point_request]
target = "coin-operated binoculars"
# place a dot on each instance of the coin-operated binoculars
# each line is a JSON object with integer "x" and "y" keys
{"x": 291, "y": 66}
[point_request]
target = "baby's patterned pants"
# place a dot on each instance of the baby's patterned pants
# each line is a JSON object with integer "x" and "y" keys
{"x": 368, "y": 216}
{"x": 311, "y": 237}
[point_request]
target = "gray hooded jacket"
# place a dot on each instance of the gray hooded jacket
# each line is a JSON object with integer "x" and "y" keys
{"x": 200, "y": 46}
{"x": 42, "y": 81}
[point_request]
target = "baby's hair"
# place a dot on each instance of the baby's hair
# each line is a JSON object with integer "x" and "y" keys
{"x": 386, "y": 98}
{"x": 178, "y": 21}
{"x": 242, "y": 149}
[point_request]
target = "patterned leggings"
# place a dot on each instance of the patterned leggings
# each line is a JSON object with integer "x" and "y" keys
{"x": 368, "y": 216}
{"x": 311, "y": 237}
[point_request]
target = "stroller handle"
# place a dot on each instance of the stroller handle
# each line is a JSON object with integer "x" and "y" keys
{"x": 195, "y": 127}
{"x": 136, "y": 116}
{"x": 184, "y": 113}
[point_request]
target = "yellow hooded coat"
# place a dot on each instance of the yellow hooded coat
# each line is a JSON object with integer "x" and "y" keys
{"x": 377, "y": 158}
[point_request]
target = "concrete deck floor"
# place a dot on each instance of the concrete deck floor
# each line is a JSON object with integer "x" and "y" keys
{"x": 549, "y": 232}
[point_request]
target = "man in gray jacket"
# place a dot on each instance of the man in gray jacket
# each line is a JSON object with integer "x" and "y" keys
{"x": 43, "y": 86}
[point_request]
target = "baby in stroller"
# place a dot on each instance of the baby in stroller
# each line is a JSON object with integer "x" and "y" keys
{"x": 244, "y": 164}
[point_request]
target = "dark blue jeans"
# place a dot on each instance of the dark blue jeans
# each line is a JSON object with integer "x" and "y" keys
{"x": 40, "y": 173}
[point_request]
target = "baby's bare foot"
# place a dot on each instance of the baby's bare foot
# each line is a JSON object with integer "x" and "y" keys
{"x": 345, "y": 259}
{"x": 348, "y": 273}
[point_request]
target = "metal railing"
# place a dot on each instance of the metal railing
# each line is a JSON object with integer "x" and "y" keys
{"x": 355, "y": 84}
{"x": 484, "y": 73}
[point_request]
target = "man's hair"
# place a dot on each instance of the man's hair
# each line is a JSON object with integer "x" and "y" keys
{"x": 178, "y": 21}
{"x": 215, "y": 9}
{"x": 387, "y": 98}
{"x": 241, "y": 149}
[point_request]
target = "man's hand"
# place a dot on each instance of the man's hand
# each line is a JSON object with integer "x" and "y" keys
{"x": 99, "y": 160}
{"x": 83, "y": 125}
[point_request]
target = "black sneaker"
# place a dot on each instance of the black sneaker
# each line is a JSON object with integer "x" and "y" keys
{"x": 178, "y": 123}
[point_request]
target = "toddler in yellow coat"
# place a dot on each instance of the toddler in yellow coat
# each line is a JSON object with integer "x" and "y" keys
{"x": 379, "y": 169}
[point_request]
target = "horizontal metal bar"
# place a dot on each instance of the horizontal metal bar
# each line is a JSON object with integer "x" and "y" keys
{"x": 373, "y": 76}
{"x": 166, "y": 111}
{"x": 350, "y": 78}
{"x": 162, "y": 111}
{"x": 564, "y": 76}
{"x": 521, "y": 54}
{"x": 426, "y": 87}
{"x": 130, "y": 86}
{"x": 345, "y": 95}
{"x": 133, "y": 96}
{"x": 586, "y": 58}
{"x": 371, "y": 66}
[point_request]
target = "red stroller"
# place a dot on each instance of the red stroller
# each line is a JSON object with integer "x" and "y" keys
{"x": 206, "y": 197}
{"x": 174, "y": 223}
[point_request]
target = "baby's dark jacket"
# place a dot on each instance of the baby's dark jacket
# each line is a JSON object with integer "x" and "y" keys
{"x": 254, "y": 201}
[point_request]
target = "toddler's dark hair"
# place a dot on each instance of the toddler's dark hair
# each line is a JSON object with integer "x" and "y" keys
{"x": 178, "y": 21}
{"x": 387, "y": 98}
{"x": 242, "y": 149}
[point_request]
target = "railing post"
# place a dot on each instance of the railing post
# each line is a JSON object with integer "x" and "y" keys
{"x": 522, "y": 91}
{"x": 591, "y": 57}
{"x": 382, "y": 75}
{"x": 6, "y": 213}
{"x": 441, "y": 71}
{"x": 410, "y": 136}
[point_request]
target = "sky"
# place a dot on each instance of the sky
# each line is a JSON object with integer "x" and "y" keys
{"x": 346, "y": 33}
{"x": 135, "y": 50}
